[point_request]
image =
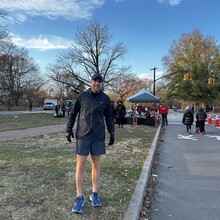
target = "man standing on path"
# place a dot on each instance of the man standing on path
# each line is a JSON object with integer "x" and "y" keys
{"x": 92, "y": 106}
{"x": 164, "y": 111}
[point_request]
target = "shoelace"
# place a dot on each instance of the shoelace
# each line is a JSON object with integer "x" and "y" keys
{"x": 79, "y": 200}
{"x": 95, "y": 195}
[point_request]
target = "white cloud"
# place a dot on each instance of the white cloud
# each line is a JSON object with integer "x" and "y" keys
{"x": 150, "y": 75}
{"x": 43, "y": 42}
{"x": 144, "y": 76}
{"x": 174, "y": 2}
{"x": 69, "y": 9}
{"x": 170, "y": 2}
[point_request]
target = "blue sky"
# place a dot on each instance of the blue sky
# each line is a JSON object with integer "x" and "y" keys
{"x": 147, "y": 28}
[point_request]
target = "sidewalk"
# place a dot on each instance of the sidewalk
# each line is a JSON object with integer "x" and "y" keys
{"x": 188, "y": 175}
{"x": 31, "y": 132}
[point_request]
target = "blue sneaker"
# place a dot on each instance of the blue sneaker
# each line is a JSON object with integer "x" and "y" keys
{"x": 95, "y": 199}
{"x": 78, "y": 205}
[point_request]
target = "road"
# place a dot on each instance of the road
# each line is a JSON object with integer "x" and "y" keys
{"x": 188, "y": 175}
{"x": 35, "y": 110}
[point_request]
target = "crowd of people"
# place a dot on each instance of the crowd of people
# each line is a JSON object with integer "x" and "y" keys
{"x": 188, "y": 117}
{"x": 119, "y": 112}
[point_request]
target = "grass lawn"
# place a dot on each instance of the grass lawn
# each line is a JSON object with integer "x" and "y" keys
{"x": 37, "y": 176}
{"x": 22, "y": 121}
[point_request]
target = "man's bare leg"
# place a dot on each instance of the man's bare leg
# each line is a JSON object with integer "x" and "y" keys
{"x": 80, "y": 173}
{"x": 95, "y": 162}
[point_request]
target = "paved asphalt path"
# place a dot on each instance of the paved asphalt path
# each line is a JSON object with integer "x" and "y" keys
{"x": 31, "y": 132}
{"x": 188, "y": 181}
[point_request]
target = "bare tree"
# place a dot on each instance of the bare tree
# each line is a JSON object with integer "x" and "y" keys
{"x": 18, "y": 72}
{"x": 4, "y": 34}
{"x": 125, "y": 85}
{"x": 91, "y": 53}
{"x": 147, "y": 84}
{"x": 33, "y": 90}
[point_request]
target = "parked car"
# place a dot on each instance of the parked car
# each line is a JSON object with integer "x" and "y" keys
{"x": 49, "y": 104}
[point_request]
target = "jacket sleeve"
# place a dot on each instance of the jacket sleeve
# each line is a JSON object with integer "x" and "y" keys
{"x": 183, "y": 118}
{"x": 124, "y": 111}
{"x": 197, "y": 116}
{"x": 73, "y": 115}
{"x": 108, "y": 118}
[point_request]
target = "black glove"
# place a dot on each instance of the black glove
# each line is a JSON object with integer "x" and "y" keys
{"x": 112, "y": 139}
{"x": 69, "y": 135}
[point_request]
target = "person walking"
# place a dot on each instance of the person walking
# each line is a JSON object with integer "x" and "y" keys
{"x": 113, "y": 112}
{"x": 63, "y": 107}
{"x": 192, "y": 108}
{"x": 56, "y": 110}
{"x": 188, "y": 119}
{"x": 201, "y": 116}
{"x": 120, "y": 112}
{"x": 164, "y": 112}
{"x": 30, "y": 105}
{"x": 93, "y": 108}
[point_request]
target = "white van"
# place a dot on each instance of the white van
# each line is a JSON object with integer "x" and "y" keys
{"x": 49, "y": 104}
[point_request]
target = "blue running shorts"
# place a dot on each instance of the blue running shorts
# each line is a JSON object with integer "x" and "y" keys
{"x": 85, "y": 148}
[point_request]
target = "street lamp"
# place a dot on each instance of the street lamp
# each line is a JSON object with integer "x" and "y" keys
{"x": 154, "y": 80}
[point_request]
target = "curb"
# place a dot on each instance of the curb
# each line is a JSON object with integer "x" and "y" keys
{"x": 137, "y": 199}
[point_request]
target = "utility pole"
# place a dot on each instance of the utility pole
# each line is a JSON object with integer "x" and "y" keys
{"x": 154, "y": 80}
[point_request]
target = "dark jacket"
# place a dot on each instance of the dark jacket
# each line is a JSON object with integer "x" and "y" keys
{"x": 113, "y": 111}
{"x": 188, "y": 117}
{"x": 120, "y": 111}
{"x": 201, "y": 115}
{"x": 91, "y": 110}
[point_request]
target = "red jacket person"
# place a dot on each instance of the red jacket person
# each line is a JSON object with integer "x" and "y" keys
{"x": 164, "y": 111}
